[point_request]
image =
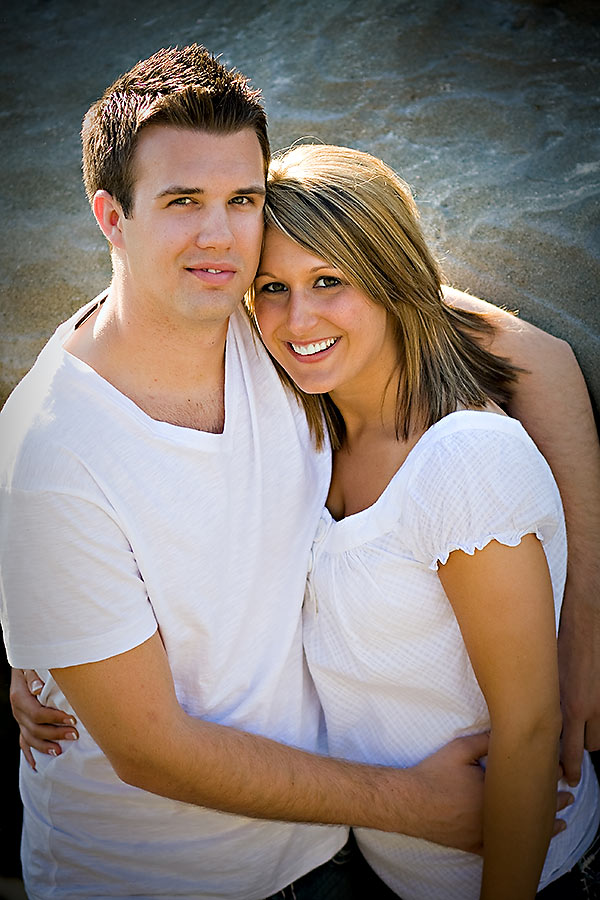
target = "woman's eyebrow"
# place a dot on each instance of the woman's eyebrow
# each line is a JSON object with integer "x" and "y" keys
{"x": 310, "y": 271}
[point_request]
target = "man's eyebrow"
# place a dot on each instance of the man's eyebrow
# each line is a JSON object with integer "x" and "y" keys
{"x": 253, "y": 189}
{"x": 177, "y": 190}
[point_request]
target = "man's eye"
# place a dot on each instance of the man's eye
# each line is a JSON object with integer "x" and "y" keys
{"x": 327, "y": 281}
{"x": 272, "y": 287}
{"x": 181, "y": 201}
{"x": 242, "y": 201}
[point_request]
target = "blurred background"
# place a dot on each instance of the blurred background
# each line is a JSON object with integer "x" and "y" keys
{"x": 490, "y": 111}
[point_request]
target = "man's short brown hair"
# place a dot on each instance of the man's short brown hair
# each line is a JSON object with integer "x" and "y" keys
{"x": 184, "y": 88}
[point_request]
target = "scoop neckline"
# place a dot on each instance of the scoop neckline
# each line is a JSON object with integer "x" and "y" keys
{"x": 368, "y": 523}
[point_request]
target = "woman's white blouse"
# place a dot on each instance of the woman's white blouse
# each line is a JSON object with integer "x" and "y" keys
{"x": 381, "y": 639}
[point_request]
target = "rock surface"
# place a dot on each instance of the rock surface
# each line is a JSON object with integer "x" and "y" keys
{"x": 491, "y": 112}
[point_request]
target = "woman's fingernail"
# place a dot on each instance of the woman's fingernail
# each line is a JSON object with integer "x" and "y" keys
{"x": 69, "y": 721}
{"x": 36, "y": 686}
{"x": 70, "y": 736}
{"x": 53, "y": 752}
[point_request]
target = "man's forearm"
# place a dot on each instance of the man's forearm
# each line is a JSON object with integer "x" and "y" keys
{"x": 555, "y": 408}
{"x": 154, "y": 745}
{"x": 223, "y": 768}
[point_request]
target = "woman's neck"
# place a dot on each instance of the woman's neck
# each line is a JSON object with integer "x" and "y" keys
{"x": 371, "y": 452}
{"x": 368, "y": 410}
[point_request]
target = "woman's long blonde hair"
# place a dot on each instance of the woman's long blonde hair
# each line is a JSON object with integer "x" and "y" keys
{"x": 354, "y": 212}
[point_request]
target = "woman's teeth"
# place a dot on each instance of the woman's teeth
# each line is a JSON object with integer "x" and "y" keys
{"x": 310, "y": 349}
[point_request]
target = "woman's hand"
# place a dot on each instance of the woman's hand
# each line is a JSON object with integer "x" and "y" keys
{"x": 41, "y": 726}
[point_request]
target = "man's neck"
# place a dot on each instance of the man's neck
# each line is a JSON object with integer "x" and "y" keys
{"x": 174, "y": 374}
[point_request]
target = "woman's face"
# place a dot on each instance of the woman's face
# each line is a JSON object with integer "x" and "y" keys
{"x": 328, "y": 335}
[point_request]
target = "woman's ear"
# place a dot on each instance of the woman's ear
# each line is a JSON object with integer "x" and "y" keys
{"x": 109, "y": 217}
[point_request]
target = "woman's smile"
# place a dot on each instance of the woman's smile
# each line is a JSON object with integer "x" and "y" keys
{"x": 313, "y": 348}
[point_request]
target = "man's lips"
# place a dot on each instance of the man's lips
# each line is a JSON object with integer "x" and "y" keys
{"x": 213, "y": 274}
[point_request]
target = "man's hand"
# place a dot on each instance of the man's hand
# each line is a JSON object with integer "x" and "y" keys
{"x": 449, "y": 794}
{"x": 579, "y": 661}
{"x": 41, "y": 726}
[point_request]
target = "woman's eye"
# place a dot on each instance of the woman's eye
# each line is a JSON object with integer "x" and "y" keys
{"x": 327, "y": 281}
{"x": 272, "y": 287}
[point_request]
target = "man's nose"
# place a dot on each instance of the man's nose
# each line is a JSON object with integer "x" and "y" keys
{"x": 214, "y": 231}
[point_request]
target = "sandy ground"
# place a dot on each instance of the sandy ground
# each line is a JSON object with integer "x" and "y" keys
{"x": 490, "y": 111}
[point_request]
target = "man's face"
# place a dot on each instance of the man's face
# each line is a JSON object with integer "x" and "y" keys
{"x": 191, "y": 245}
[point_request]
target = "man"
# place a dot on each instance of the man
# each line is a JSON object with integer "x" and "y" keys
{"x": 160, "y": 496}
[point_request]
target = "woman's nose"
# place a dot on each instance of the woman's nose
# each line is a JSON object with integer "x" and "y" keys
{"x": 301, "y": 316}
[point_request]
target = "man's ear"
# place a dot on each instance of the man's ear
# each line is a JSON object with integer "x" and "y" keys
{"x": 109, "y": 217}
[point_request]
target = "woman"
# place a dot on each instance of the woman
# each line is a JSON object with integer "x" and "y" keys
{"x": 439, "y": 565}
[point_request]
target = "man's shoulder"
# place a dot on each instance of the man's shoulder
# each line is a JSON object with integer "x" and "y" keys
{"x": 43, "y": 409}
{"x": 37, "y": 384}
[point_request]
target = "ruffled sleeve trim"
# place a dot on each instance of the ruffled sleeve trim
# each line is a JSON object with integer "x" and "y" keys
{"x": 508, "y": 538}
